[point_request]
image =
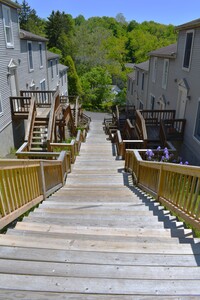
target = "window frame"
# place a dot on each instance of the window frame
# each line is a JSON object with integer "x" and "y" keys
{"x": 40, "y": 55}
{"x": 1, "y": 106}
{"x": 138, "y": 76}
{"x": 184, "y": 67}
{"x": 51, "y": 65}
{"x": 6, "y": 10}
{"x": 154, "y": 73}
{"x": 142, "y": 85}
{"x": 30, "y": 56}
{"x": 57, "y": 72}
{"x": 165, "y": 73}
{"x": 196, "y": 127}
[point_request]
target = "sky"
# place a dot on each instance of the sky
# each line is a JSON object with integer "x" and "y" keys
{"x": 174, "y": 12}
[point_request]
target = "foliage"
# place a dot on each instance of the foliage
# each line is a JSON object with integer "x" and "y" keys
{"x": 29, "y": 20}
{"x": 96, "y": 43}
{"x": 96, "y": 86}
{"x": 59, "y": 29}
{"x": 74, "y": 85}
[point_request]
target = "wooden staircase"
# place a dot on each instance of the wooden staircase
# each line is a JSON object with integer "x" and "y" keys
{"x": 99, "y": 238}
{"x": 39, "y": 138}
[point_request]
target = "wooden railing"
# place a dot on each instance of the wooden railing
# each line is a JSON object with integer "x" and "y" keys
{"x": 141, "y": 127}
{"x": 172, "y": 130}
{"x": 51, "y": 125}
{"x": 176, "y": 186}
{"x": 122, "y": 145}
{"x": 30, "y": 123}
{"x": 42, "y": 98}
{"x": 156, "y": 116}
{"x": 68, "y": 99}
{"x": 24, "y": 183}
{"x": 20, "y": 105}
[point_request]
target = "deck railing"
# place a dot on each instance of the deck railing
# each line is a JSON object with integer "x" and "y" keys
{"x": 155, "y": 116}
{"x": 172, "y": 130}
{"x": 42, "y": 98}
{"x": 20, "y": 105}
{"x": 51, "y": 125}
{"x": 141, "y": 127}
{"x": 176, "y": 186}
{"x": 25, "y": 183}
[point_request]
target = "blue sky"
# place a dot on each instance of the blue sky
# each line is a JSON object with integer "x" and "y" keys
{"x": 174, "y": 12}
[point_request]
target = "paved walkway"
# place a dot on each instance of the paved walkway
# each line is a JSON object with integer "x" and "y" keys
{"x": 99, "y": 238}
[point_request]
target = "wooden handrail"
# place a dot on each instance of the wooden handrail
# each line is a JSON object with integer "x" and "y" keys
{"x": 176, "y": 186}
{"x": 141, "y": 126}
{"x": 31, "y": 118}
{"x": 25, "y": 183}
{"x": 54, "y": 106}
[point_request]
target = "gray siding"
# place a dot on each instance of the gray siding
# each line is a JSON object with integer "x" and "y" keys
{"x": 171, "y": 91}
{"x": 39, "y": 73}
{"x": 53, "y": 83}
{"x": 6, "y": 54}
{"x": 193, "y": 79}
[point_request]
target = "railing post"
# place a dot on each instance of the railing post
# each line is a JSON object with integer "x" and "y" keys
{"x": 160, "y": 183}
{"x": 43, "y": 179}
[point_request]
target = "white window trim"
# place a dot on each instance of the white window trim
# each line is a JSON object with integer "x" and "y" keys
{"x": 57, "y": 71}
{"x": 30, "y": 70}
{"x": 142, "y": 83}
{"x": 1, "y": 106}
{"x": 165, "y": 73}
{"x": 8, "y": 45}
{"x": 154, "y": 72}
{"x": 183, "y": 68}
{"x": 195, "y": 138}
{"x": 51, "y": 67}
{"x": 152, "y": 96}
{"x": 40, "y": 55}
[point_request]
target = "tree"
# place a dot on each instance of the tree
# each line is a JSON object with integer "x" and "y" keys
{"x": 29, "y": 20}
{"x": 59, "y": 29}
{"x": 96, "y": 86}
{"x": 74, "y": 85}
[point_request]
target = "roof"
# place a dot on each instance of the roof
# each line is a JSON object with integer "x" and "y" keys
{"x": 51, "y": 55}
{"x": 189, "y": 25}
{"x": 168, "y": 51}
{"x": 26, "y": 35}
{"x": 129, "y": 65}
{"x": 62, "y": 67}
{"x": 143, "y": 66}
{"x": 131, "y": 75}
{"x": 10, "y": 3}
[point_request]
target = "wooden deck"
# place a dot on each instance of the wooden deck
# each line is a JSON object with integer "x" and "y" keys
{"x": 99, "y": 238}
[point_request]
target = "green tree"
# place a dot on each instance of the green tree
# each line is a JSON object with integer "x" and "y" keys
{"x": 29, "y": 20}
{"x": 74, "y": 84}
{"x": 96, "y": 86}
{"x": 59, "y": 29}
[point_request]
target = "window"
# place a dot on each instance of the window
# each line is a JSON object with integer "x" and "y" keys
{"x": 51, "y": 64}
{"x": 7, "y": 27}
{"x": 188, "y": 49}
{"x": 138, "y": 74}
{"x": 132, "y": 85}
{"x": 43, "y": 88}
{"x": 65, "y": 77}
{"x": 165, "y": 73}
{"x": 1, "y": 108}
{"x": 142, "y": 81}
{"x": 129, "y": 85}
{"x": 152, "y": 102}
{"x": 40, "y": 53}
{"x": 62, "y": 78}
{"x": 197, "y": 126}
{"x": 30, "y": 56}
{"x": 154, "y": 69}
{"x": 56, "y": 67}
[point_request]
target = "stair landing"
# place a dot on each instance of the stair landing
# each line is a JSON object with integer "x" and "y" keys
{"x": 99, "y": 237}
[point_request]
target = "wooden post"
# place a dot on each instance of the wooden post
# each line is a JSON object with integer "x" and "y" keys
{"x": 43, "y": 179}
{"x": 160, "y": 183}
